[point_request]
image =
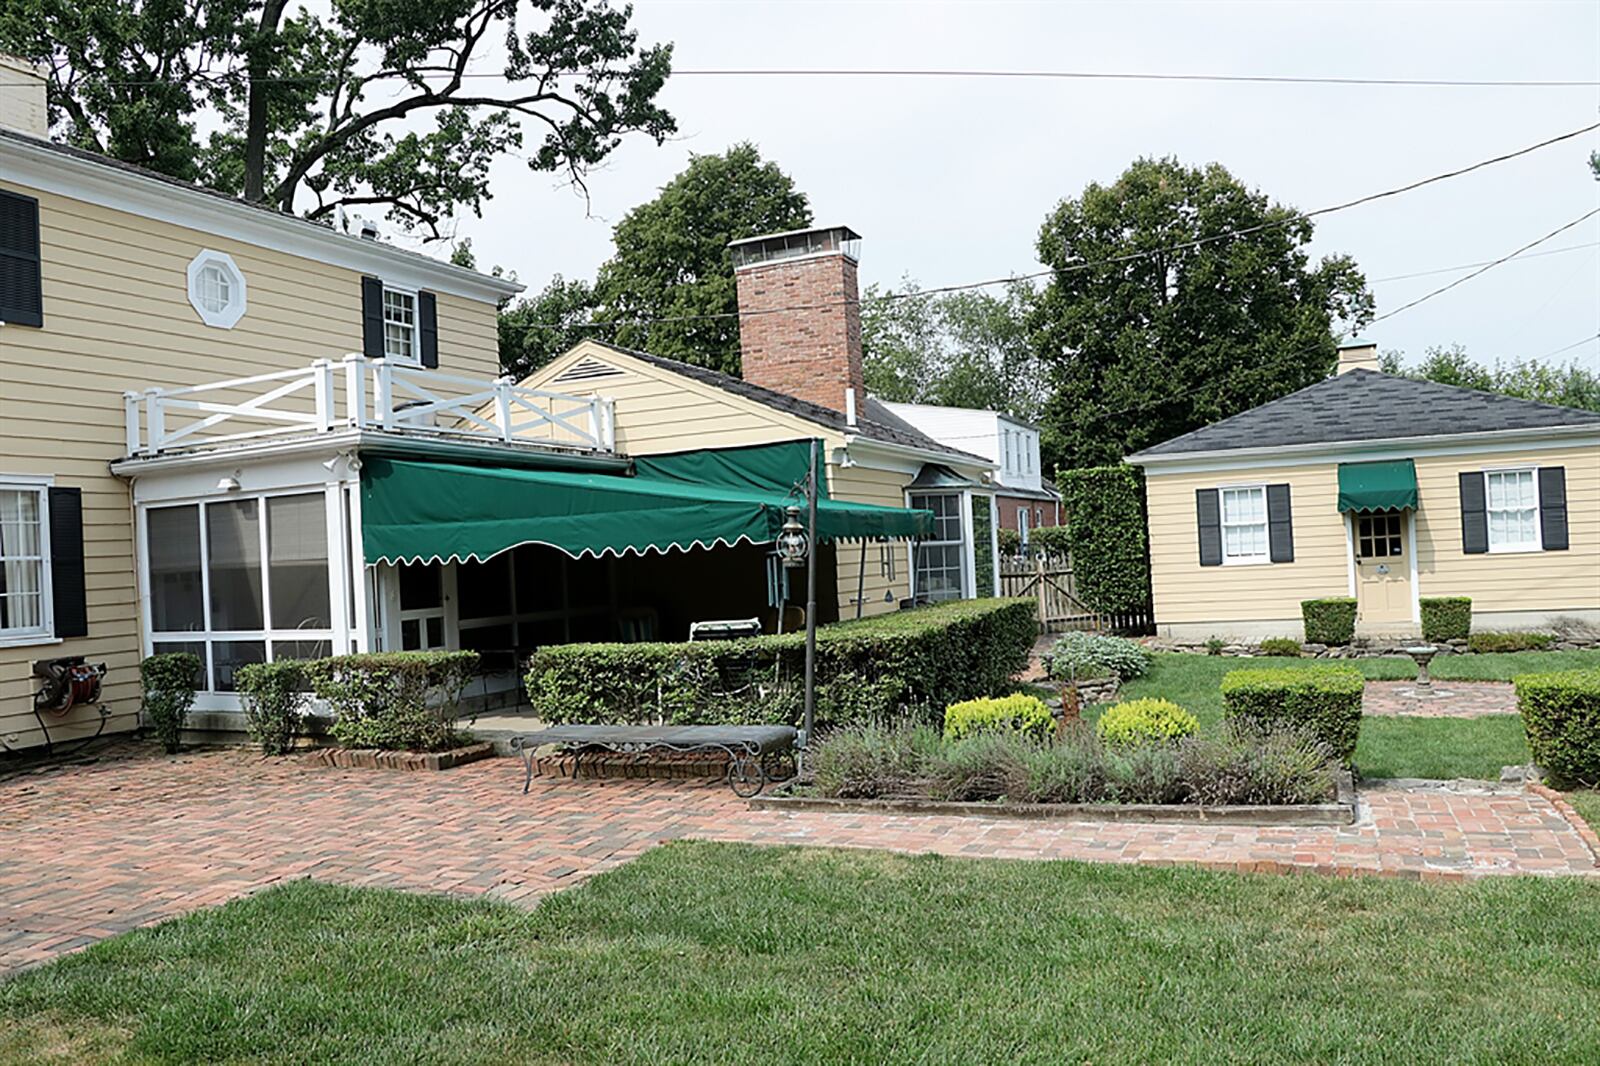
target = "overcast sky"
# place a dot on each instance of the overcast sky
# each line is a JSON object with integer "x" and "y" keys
{"x": 948, "y": 180}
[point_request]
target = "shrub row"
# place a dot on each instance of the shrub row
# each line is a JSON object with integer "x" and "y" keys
{"x": 1561, "y": 717}
{"x": 910, "y": 663}
{"x": 1235, "y": 766}
{"x": 1324, "y": 701}
{"x": 1491, "y": 642}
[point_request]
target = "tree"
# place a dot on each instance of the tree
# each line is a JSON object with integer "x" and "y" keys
{"x": 1161, "y": 317}
{"x": 536, "y": 329}
{"x": 1568, "y": 385}
{"x": 672, "y": 256}
{"x": 379, "y": 103}
{"x": 962, "y": 349}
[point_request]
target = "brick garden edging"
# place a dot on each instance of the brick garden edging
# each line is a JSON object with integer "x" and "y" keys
{"x": 373, "y": 758}
{"x": 1570, "y": 813}
{"x": 1340, "y": 812}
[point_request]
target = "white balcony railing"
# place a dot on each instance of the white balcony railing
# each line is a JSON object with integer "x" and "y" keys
{"x": 361, "y": 393}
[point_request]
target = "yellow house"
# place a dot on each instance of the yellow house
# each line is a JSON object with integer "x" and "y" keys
{"x": 1384, "y": 489}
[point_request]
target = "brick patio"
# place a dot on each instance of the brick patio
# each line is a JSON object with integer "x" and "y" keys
{"x": 94, "y": 850}
{"x": 1443, "y": 699}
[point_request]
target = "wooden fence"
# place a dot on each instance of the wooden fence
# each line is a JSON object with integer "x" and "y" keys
{"x": 1048, "y": 580}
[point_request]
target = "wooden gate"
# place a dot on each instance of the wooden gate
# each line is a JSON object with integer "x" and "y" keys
{"x": 1048, "y": 580}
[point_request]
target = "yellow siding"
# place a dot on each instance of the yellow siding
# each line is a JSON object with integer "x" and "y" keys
{"x": 1537, "y": 581}
{"x": 1187, "y": 593}
{"x": 886, "y": 488}
{"x": 117, "y": 317}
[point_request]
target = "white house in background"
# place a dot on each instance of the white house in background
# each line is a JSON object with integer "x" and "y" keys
{"x": 1025, "y": 499}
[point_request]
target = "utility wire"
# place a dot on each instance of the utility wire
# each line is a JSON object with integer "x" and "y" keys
{"x": 1074, "y": 267}
{"x": 1489, "y": 266}
{"x": 970, "y": 73}
{"x": 1469, "y": 266}
{"x": 1568, "y": 348}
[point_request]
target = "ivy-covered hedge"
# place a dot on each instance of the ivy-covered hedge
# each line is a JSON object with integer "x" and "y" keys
{"x": 1446, "y": 617}
{"x": 1323, "y": 700}
{"x": 1329, "y": 621}
{"x": 1561, "y": 716}
{"x": 906, "y": 665}
{"x": 1105, "y": 532}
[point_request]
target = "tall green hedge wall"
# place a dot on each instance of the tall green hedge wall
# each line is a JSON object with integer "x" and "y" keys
{"x": 908, "y": 665}
{"x": 1104, "y": 512}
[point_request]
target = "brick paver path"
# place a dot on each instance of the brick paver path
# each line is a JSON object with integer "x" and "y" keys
{"x": 90, "y": 851}
{"x": 1447, "y": 699}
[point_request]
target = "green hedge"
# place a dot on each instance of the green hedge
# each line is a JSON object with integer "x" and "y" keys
{"x": 1519, "y": 641}
{"x": 1323, "y": 700}
{"x": 1103, "y": 508}
{"x": 1329, "y": 621}
{"x": 1446, "y": 617}
{"x": 397, "y": 700}
{"x": 1561, "y": 716}
{"x": 909, "y": 664}
{"x": 169, "y": 682}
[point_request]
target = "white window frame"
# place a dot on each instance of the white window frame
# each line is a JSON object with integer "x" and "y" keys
{"x": 1223, "y": 524}
{"x": 238, "y": 289}
{"x": 964, "y": 542}
{"x": 1537, "y": 543}
{"x": 45, "y": 632}
{"x": 415, "y": 358}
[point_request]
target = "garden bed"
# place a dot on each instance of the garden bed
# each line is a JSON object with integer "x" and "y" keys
{"x": 1340, "y": 810}
{"x": 374, "y": 758}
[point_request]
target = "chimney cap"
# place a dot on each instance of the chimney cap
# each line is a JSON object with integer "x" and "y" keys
{"x": 1357, "y": 342}
{"x": 795, "y": 244}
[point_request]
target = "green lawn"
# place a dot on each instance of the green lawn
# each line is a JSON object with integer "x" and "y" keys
{"x": 1437, "y": 748}
{"x": 730, "y": 954}
{"x": 1587, "y": 803}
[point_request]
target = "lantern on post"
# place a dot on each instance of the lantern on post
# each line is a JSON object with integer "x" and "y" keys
{"x": 794, "y": 545}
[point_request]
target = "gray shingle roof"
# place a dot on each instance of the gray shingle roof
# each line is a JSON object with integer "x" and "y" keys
{"x": 874, "y": 422}
{"x": 1364, "y": 405}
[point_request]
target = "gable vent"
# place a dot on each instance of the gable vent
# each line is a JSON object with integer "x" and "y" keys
{"x": 588, "y": 370}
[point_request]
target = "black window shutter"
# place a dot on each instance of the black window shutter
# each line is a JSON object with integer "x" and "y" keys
{"x": 1208, "y": 510}
{"x": 21, "y": 290}
{"x": 66, "y": 563}
{"x": 372, "y": 318}
{"x": 428, "y": 327}
{"x": 1474, "y": 514}
{"x": 1553, "y": 508}
{"x": 1280, "y": 526}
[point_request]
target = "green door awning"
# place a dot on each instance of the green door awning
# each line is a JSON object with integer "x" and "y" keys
{"x": 418, "y": 510}
{"x": 1381, "y": 486}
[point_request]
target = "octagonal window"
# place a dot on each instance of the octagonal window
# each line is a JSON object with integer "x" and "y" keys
{"x": 217, "y": 289}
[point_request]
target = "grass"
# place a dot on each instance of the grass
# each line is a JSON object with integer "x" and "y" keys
{"x": 732, "y": 954}
{"x": 1587, "y": 803}
{"x": 1389, "y": 747}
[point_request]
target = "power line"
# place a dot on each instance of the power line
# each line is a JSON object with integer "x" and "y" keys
{"x": 974, "y": 73}
{"x": 1075, "y": 267}
{"x": 1469, "y": 266}
{"x": 1489, "y": 266}
{"x": 1568, "y": 348}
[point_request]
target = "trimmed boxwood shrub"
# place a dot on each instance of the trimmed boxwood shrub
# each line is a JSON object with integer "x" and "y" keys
{"x": 1329, "y": 621}
{"x": 397, "y": 700}
{"x": 910, "y": 663}
{"x": 1285, "y": 647}
{"x": 1145, "y": 721}
{"x": 274, "y": 695}
{"x": 1446, "y": 617}
{"x": 1322, "y": 700}
{"x": 1105, "y": 533}
{"x": 1491, "y": 642}
{"x": 1016, "y": 713}
{"x": 1561, "y": 716}
{"x": 169, "y": 682}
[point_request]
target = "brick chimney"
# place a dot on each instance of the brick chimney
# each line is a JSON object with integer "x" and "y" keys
{"x": 1358, "y": 355}
{"x": 22, "y": 99}
{"x": 800, "y": 321}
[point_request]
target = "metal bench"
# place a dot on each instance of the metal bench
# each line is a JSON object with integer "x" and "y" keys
{"x": 756, "y": 753}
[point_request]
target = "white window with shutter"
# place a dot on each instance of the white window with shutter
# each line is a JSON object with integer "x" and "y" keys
{"x": 24, "y": 562}
{"x": 1244, "y": 524}
{"x": 1512, "y": 503}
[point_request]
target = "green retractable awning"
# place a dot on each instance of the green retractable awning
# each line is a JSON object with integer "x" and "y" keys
{"x": 1381, "y": 486}
{"x": 417, "y": 510}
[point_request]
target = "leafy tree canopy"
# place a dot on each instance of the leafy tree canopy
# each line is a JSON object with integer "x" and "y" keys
{"x": 1569, "y": 385}
{"x": 377, "y": 103}
{"x": 961, "y": 349}
{"x": 536, "y": 329}
{"x": 1177, "y": 324}
{"x": 672, "y": 256}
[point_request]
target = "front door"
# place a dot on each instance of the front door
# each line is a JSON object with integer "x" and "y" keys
{"x": 1383, "y": 571}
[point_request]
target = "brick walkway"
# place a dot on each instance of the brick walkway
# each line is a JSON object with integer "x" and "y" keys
{"x": 1446, "y": 699}
{"x": 91, "y": 851}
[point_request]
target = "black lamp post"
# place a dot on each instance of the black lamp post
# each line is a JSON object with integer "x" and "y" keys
{"x": 797, "y": 546}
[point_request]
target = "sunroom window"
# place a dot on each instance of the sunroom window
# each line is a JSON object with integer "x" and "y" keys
{"x": 939, "y": 559}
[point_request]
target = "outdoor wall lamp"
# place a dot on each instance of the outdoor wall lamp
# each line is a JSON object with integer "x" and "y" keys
{"x": 793, "y": 546}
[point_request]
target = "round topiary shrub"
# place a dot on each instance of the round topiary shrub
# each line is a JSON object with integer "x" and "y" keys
{"x": 1016, "y": 713}
{"x": 1145, "y": 721}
